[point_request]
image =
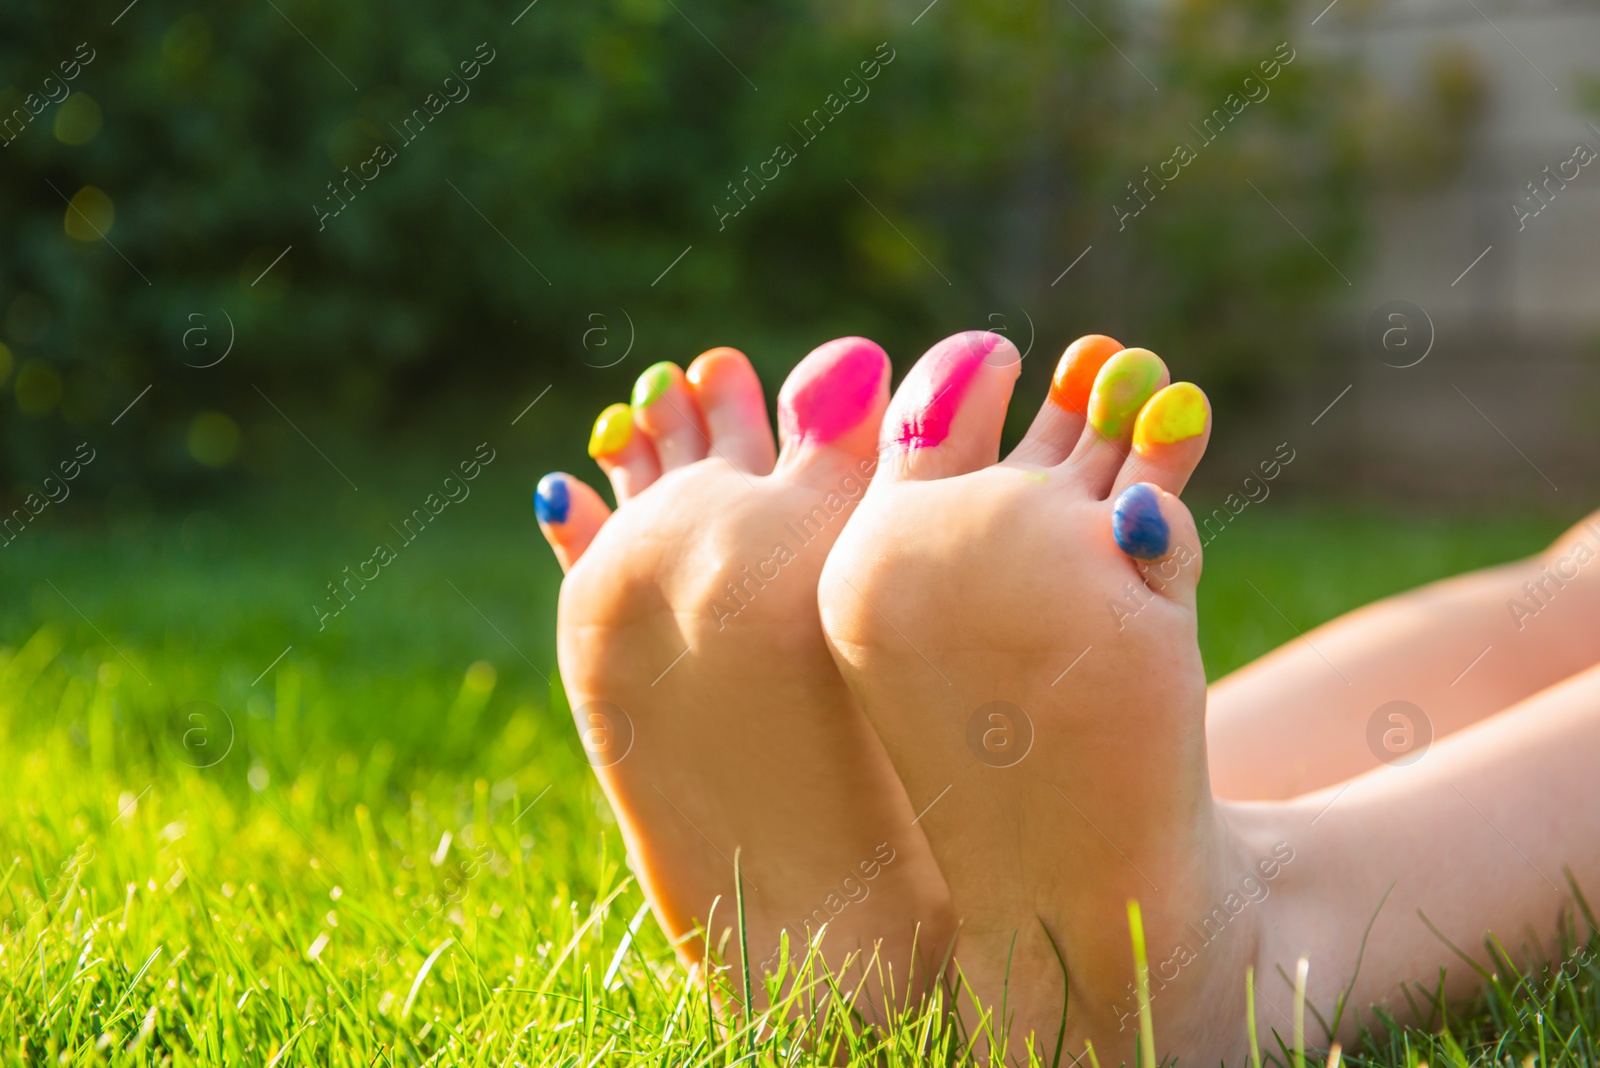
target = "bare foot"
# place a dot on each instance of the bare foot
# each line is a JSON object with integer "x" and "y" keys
{"x": 1022, "y": 636}
{"x": 692, "y": 652}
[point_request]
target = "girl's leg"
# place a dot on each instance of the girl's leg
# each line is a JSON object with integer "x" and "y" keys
{"x": 1477, "y": 837}
{"x": 1312, "y": 713}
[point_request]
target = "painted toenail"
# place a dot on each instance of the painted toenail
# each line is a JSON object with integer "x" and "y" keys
{"x": 552, "y": 500}
{"x": 612, "y": 431}
{"x": 713, "y": 364}
{"x": 1074, "y": 378}
{"x": 652, "y": 384}
{"x": 1176, "y": 414}
{"x": 832, "y": 390}
{"x": 1121, "y": 388}
{"x": 1137, "y": 525}
{"x": 932, "y": 394}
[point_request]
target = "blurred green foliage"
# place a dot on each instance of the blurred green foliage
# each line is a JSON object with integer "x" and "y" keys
{"x": 525, "y": 235}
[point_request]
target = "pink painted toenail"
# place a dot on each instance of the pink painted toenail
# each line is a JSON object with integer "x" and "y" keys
{"x": 928, "y": 399}
{"x": 832, "y": 390}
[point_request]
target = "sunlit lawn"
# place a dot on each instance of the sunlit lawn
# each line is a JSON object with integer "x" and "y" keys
{"x": 385, "y": 847}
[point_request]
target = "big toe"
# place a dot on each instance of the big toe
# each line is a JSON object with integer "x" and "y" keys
{"x": 831, "y": 407}
{"x": 947, "y": 415}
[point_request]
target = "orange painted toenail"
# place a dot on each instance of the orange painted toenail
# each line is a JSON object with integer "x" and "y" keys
{"x": 1074, "y": 377}
{"x": 713, "y": 363}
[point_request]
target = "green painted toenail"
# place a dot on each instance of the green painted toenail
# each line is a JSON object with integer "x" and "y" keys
{"x": 1124, "y": 383}
{"x": 653, "y": 383}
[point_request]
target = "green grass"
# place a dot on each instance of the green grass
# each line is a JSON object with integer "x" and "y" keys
{"x": 388, "y": 848}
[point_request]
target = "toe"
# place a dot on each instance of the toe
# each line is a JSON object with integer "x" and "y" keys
{"x": 947, "y": 415}
{"x": 664, "y": 409}
{"x": 1059, "y": 424}
{"x": 570, "y": 514}
{"x": 1154, "y": 528}
{"x": 625, "y": 455}
{"x": 1169, "y": 437}
{"x": 831, "y": 407}
{"x": 1123, "y": 384}
{"x": 729, "y": 395}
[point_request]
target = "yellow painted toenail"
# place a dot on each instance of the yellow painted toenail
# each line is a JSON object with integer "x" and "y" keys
{"x": 652, "y": 384}
{"x": 1036, "y": 476}
{"x": 1176, "y": 414}
{"x": 1121, "y": 388}
{"x": 612, "y": 431}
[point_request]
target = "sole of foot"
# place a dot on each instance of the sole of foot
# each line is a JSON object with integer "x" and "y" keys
{"x": 1022, "y": 635}
{"x": 692, "y": 654}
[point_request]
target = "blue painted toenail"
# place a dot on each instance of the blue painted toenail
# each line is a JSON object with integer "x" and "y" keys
{"x": 1137, "y": 525}
{"x": 552, "y": 500}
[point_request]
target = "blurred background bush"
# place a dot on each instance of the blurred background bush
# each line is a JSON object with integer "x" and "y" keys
{"x": 575, "y": 201}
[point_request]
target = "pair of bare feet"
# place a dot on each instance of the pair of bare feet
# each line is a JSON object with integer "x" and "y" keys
{"x": 940, "y": 702}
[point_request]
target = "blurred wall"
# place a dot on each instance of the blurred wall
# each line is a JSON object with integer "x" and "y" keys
{"x": 1497, "y": 285}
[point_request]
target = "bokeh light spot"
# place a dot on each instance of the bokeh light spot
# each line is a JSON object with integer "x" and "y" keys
{"x": 213, "y": 439}
{"x": 78, "y": 119}
{"x": 38, "y": 388}
{"x": 90, "y": 214}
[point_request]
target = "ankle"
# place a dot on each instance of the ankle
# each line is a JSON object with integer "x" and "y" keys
{"x": 1300, "y": 916}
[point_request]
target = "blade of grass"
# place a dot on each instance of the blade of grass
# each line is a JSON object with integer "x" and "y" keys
{"x": 1250, "y": 1014}
{"x": 422, "y": 974}
{"x": 1141, "y": 971}
{"x": 1066, "y": 994}
{"x": 744, "y": 946}
{"x": 1361, "y": 952}
{"x": 1301, "y": 969}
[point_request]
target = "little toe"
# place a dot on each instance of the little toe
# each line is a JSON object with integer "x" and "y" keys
{"x": 1155, "y": 529}
{"x": 625, "y": 455}
{"x": 735, "y": 409}
{"x": 1169, "y": 437}
{"x": 570, "y": 514}
{"x": 1059, "y": 424}
{"x": 664, "y": 408}
{"x": 1123, "y": 384}
{"x": 831, "y": 407}
{"x": 947, "y": 415}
